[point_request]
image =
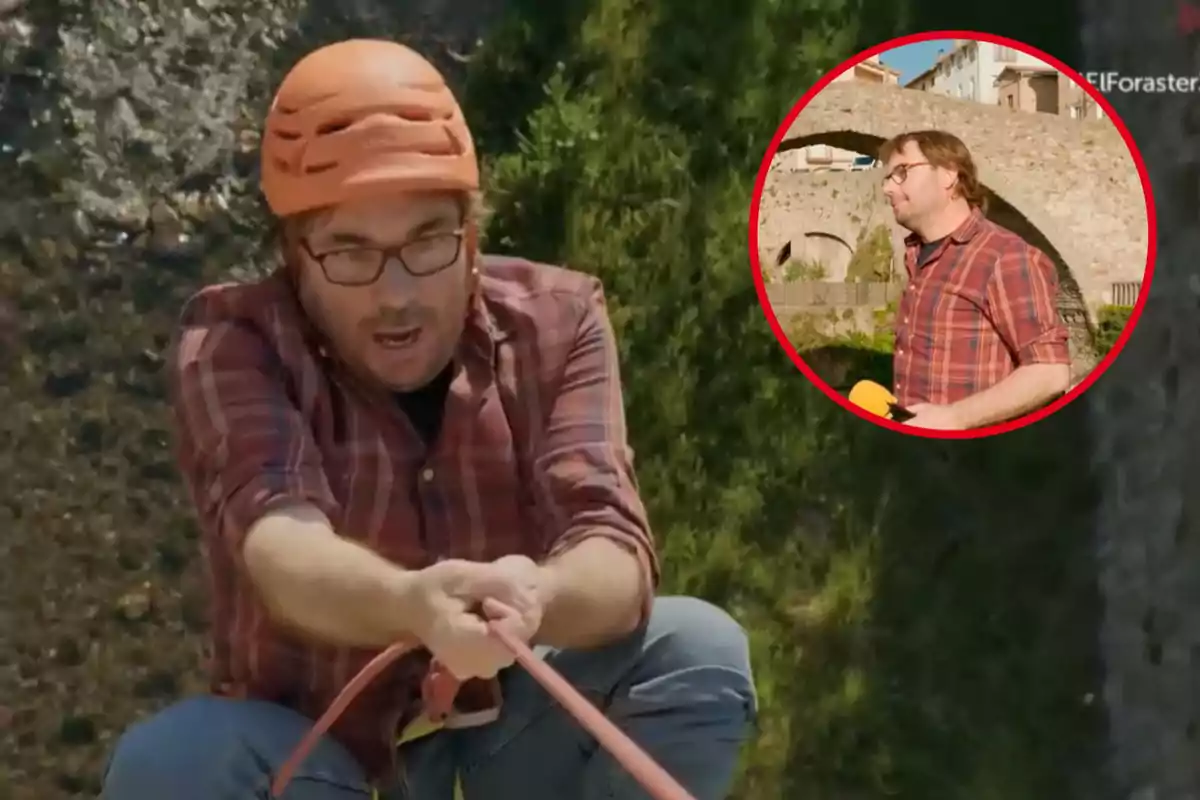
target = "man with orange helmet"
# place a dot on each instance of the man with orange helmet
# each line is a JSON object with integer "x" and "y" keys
{"x": 391, "y": 438}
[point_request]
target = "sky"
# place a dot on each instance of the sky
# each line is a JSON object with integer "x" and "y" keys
{"x": 913, "y": 59}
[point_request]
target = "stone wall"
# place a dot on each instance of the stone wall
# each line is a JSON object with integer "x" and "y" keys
{"x": 840, "y": 204}
{"x": 1075, "y": 181}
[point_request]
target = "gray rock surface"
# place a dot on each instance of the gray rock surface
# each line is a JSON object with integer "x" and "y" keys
{"x": 1146, "y": 428}
{"x": 128, "y": 165}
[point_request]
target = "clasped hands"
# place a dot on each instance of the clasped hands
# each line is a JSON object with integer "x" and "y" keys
{"x": 935, "y": 417}
{"x": 447, "y": 599}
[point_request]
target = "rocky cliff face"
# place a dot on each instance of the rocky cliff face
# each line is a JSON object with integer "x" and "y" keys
{"x": 128, "y": 160}
{"x": 1146, "y": 431}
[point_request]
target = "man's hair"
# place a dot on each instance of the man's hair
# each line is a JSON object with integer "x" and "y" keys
{"x": 947, "y": 151}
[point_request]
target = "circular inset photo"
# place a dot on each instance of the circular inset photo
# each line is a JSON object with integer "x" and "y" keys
{"x": 952, "y": 234}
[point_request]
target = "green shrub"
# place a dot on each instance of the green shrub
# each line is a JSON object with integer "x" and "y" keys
{"x": 1110, "y": 323}
{"x": 803, "y": 270}
{"x": 872, "y": 258}
{"x": 842, "y": 360}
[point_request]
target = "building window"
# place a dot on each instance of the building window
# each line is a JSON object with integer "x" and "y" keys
{"x": 1010, "y": 102}
{"x": 1005, "y": 53}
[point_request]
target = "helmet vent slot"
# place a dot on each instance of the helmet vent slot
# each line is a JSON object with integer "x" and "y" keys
{"x": 335, "y": 126}
{"x": 415, "y": 113}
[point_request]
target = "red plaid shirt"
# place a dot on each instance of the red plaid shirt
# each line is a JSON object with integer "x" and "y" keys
{"x": 983, "y": 304}
{"x": 532, "y": 458}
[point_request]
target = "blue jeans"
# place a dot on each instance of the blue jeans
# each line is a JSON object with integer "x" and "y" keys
{"x": 682, "y": 689}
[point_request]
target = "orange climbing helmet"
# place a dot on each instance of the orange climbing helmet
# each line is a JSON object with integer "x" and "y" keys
{"x": 362, "y": 118}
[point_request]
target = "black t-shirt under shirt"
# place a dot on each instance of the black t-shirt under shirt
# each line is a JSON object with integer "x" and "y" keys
{"x": 424, "y": 407}
{"x": 927, "y": 250}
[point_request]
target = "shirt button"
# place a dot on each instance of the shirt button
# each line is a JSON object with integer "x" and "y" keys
{"x": 427, "y": 474}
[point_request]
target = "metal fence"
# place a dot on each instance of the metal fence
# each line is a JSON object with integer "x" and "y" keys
{"x": 1126, "y": 294}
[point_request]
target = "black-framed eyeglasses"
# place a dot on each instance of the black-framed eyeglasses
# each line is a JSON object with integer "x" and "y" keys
{"x": 900, "y": 174}
{"x": 361, "y": 266}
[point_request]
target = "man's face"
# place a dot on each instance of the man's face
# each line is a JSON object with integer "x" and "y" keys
{"x": 399, "y": 329}
{"x": 916, "y": 189}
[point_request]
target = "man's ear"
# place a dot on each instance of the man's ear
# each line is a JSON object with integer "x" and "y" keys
{"x": 949, "y": 178}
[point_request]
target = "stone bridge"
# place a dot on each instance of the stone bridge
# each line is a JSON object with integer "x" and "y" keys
{"x": 1070, "y": 186}
{"x": 801, "y": 212}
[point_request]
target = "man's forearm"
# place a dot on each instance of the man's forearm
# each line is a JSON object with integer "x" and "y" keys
{"x": 1029, "y": 387}
{"x": 594, "y": 595}
{"x": 325, "y": 587}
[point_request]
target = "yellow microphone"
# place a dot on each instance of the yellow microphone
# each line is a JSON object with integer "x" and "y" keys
{"x": 870, "y": 396}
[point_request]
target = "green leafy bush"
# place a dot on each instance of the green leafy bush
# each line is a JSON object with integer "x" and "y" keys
{"x": 872, "y": 258}
{"x": 844, "y": 359}
{"x": 803, "y": 270}
{"x": 1110, "y": 323}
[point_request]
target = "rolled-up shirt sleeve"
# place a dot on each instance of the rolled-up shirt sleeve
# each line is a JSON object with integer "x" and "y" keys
{"x": 1023, "y": 301}
{"x": 242, "y": 444}
{"x": 585, "y": 457}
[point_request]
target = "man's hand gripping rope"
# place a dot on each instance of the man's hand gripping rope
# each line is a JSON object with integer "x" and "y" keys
{"x": 440, "y": 688}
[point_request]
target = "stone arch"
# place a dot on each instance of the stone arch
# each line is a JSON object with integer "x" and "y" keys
{"x": 784, "y": 256}
{"x": 830, "y": 250}
{"x": 827, "y": 236}
{"x": 1069, "y": 186}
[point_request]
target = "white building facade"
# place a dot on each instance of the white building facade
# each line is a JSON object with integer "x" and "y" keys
{"x": 969, "y": 70}
{"x": 823, "y": 157}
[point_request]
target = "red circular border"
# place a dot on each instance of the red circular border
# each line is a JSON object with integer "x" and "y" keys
{"x": 991, "y": 430}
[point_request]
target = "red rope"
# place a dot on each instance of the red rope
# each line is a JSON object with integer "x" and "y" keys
{"x": 439, "y": 690}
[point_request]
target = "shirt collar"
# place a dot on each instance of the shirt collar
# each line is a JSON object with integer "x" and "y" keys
{"x": 960, "y": 235}
{"x": 481, "y": 333}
